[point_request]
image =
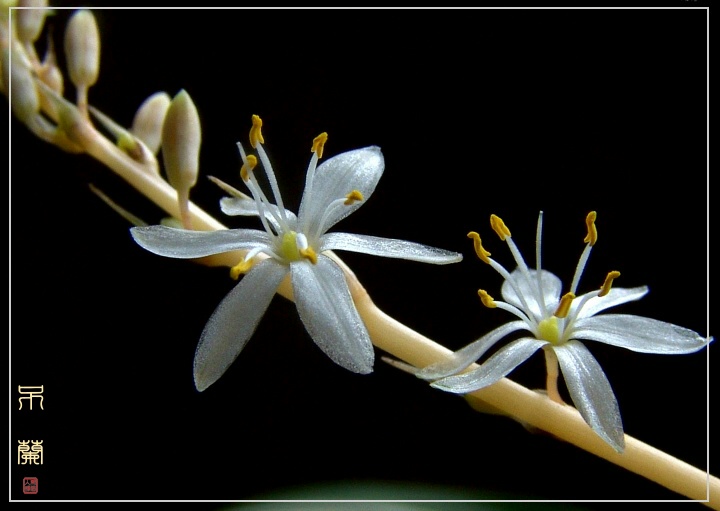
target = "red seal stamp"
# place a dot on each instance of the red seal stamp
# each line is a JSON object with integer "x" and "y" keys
{"x": 30, "y": 485}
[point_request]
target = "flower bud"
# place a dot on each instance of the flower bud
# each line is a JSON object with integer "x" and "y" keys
{"x": 49, "y": 72}
{"x": 82, "y": 49}
{"x": 52, "y": 77}
{"x": 181, "y": 139}
{"x": 24, "y": 98}
{"x": 30, "y": 21}
{"x": 148, "y": 122}
{"x": 181, "y": 142}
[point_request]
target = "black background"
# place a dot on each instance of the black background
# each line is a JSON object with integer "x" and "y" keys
{"x": 505, "y": 111}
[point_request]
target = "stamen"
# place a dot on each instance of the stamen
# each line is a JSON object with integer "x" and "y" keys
{"x": 248, "y": 167}
{"x": 240, "y": 268}
{"x": 255, "y": 138}
{"x": 605, "y": 289}
{"x": 499, "y": 227}
{"x": 309, "y": 254}
{"x": 263, "y": 205}
{"x": 486, "y": 299}
{"x": 591, "y": 237}
{"x": 564, "y": 307}
{"x": 352, "y": 197}
{"x": 355, "y": 195}
{"x": 538, "y": 265}
{"x": 256, "y": 132}
{"x": 317, "y": 149}
{"x": 504, "y": 233}
{"x": 319, "y": 144}
{"x": 482, "y": 254}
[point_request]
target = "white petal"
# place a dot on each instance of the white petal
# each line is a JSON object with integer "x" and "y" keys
{"x": 591, "y": 392}
{"x": 638, "y": 333}
{"x": 469, "y": 354}
{"x": 551, "y": 289}
{"x": 243, "y": 206}
{"x": 329, "y": 314}
{"x": 387, "y": 247}
{"x": 360, "y": 170}
{"x": 616, "y": 296}
{"x": 234, "y": 321}
{"x": 185, "y": 244}
{"x": 496, "y": 367}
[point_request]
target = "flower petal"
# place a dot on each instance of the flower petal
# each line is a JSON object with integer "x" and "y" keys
{"x": 329, "y": 314}
{"x": 638, "y": 333}
{"x": 360, "y": 170}
{"x": 185, "y": 244}
{"x": 245, "y": 206}
{"x": 469, "y": 354}
{"x": 551, "y": 288}
{"x": 493, "y": 369}
{"x": 616, "y": 296}
{"x": 591, "y": 392}
{"x": 234, "y": 321}
{"x": 387, "y": 247}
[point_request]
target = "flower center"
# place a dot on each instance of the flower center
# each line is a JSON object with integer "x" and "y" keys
{"x": 294, "y": 247}
{"x": 289, "y": 248}
{"x": 549, "y": 330}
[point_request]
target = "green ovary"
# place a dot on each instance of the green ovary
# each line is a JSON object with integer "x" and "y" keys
{"x": 549, "y": 330}
{"x": 289, "y": 247}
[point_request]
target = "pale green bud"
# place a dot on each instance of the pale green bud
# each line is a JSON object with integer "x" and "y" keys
{"x": 181, "y": 139}
{"x": 30, "y": 21}
{"x": 148, "y": 122}
{"x": 24, "y": 98}
{"x": 82, "y": 49}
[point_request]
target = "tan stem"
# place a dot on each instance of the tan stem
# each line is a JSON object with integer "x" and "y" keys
{"x": 553, "y": 373}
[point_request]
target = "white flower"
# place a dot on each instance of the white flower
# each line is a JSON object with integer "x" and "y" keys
{"x": 295, "y": 245}
{"x": 556, "y": 323}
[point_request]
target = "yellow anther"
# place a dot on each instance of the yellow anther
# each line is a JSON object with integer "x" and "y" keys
{"x": 605, "y": 289}
{"x": 591, "y": 237}
{"x": 479, "y": 250}
{"x": 352, "y": 197}
{"x": 251, "y": 163}
{"x": 564, "y": 307}
{"x": 499, "y": 227}
{"x": 256, "y": 131}
{"x": 309, "y": 254}
{"x": 486, "y": 299}
{"x": 319, "y": 144}
{"x": 240, "y": 268}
